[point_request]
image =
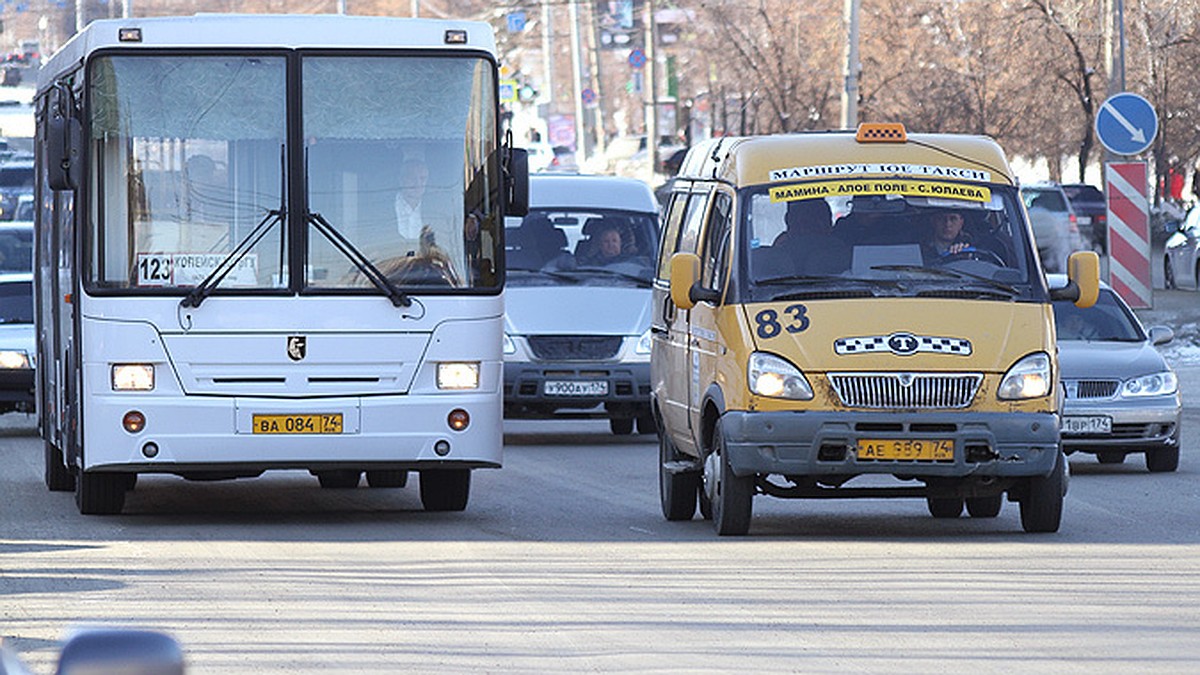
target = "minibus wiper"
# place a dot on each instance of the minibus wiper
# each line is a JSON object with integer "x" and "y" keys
{"x": 231, "y": 260}
{"x": 954, "y": 274}
{"x": 398, "y": 297}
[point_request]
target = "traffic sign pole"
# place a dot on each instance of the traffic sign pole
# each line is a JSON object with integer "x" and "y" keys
{"x": 1127, "y": 190}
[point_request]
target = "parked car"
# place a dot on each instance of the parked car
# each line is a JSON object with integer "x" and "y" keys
{"x": 1181, "y": 253}
{"x": 16, "y": 246}
{"x": 1091, "y": 213}
{"x": 1121, "y": 396}
{"x": 577, "y": 321}
{"x": 1054, "y": 224}
{"x": 17, "y": 343}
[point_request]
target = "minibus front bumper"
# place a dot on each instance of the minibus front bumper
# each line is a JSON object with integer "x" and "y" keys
{"x": 808, "y": 443}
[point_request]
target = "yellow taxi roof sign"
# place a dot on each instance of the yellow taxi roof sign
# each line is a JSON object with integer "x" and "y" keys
{"x": 881, "y": 132}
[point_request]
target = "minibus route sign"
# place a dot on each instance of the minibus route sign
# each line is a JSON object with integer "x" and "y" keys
{"x": 889, "y": 186}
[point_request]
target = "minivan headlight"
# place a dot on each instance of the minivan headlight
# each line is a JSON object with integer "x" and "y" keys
{"x": 1158, "y": 384}
{"x": 770, "y": 375}
{"x": 644, "y": 343}
{"x": 510, "y": 347}
{"x": 1028, "y": 378}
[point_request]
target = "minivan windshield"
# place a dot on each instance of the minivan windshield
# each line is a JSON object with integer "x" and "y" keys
{"x": 599, "y": 247}
{"x": 887, "y": 237}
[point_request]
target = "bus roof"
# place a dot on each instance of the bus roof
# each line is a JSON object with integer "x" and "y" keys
{"x": 754, "y": 160}
{"x": 292, "y": 31}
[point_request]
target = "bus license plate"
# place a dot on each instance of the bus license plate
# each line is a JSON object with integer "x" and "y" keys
{"x": 920, "y": 449}
{"x": 317, "y": 423}
{"x": 575, "y": 388}
{"x": 1097, "y": 424}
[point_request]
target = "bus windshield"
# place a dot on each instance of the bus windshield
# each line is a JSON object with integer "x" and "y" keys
{"x": 196, "y": 164}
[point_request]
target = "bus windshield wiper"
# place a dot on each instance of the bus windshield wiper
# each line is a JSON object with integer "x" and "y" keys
{"x": 231, "y": 260}
{"x": 398, "y": 297}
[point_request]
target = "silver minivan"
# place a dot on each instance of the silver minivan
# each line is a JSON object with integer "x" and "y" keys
{"x": 577, "y": 319}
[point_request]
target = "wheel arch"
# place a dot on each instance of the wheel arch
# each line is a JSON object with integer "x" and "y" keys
{"x": 711, "y": 408}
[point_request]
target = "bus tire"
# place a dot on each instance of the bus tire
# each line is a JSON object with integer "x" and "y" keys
{"x": 1042, "y": 503}
{"x": 445, "y": 489}
{"x": 58, "y": 477}
{"x": 676, "y": 490}
{"x": 339, "y": 479}
{"x": 387, "y": 478}
{"x": 732, "y": 496}
{"x": 99, "y": 494}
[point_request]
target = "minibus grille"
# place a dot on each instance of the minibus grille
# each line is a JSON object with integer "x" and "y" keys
{"x": 575, "y": 347}
{"x": 905, "y": 390}
{"x": 1092, "y": 389}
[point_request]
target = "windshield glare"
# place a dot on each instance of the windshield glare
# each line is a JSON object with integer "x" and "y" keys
{"x": 588, "y": 246}
{"x": 1107, "y": 321}
{"x": 887, "y": 238}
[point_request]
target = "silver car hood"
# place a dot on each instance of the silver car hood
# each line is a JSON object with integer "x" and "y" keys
{"x": 1108, "y": 360}
{"x": 580, "y": 310}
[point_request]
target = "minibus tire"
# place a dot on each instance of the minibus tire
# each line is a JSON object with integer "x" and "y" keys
{"x": 1042, "y": 503}
{"x": 944, "y": 507}
{"x": 339, "y": 479}
{"x": 387, "y": 478}
{"x": 99, "y": 494}
{"x": 985, "y": 507}
{"x": 733, "y": 503}
{"x": 58, "y": 477}
{"x": 445, "y": 489}
{"x": 677, "y": 491}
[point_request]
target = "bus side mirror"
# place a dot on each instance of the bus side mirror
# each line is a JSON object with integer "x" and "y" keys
{"x": 518, "y": 182}
{"x": 64, "y": 140}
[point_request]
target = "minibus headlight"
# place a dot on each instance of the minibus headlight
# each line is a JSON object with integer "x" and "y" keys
{"x": 132, "y": 377}
{"x": 510, "y": 347}
{"x": 14, "y": 358}
{"x": 770, "y": 375}
{"x": 644, "y": 343}
{"x": 458, "y": 375}
{"x": 1158, "y": 384}
{"x": 1028, "y": 378}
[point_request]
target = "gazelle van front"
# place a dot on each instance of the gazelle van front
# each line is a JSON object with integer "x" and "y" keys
{"x": 843, "y": 305}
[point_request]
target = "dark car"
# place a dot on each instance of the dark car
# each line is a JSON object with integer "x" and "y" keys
{"x": 1091, "y": 212}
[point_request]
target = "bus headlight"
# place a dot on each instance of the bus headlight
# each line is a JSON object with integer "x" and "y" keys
{"x": 14, "y": 358}
{"x": 132, "y": 377}
{"x": 458, "y": 375}
{"x": 770, "y": 375}
{"x": 1028, "y": 378}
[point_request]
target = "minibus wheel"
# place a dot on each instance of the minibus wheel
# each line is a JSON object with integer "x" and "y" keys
{"x": 676, "y": 490}
{"x": 1042, "y": 503}
{"x": 732, "y": 496}
{"x": 445, "y": 489}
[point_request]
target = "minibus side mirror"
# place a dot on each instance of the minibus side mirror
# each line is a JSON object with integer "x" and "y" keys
{"x": 686, "y": 290}
{"x": 518, "y": 182}
{"x": 64, "y": 140}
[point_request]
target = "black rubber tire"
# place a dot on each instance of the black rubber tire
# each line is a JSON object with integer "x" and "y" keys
{"x": 100, "y": 494}
{"x": 944, "y": 507}
{"x": 733, "y": 501}
{"x": 1110, "y": 457}
{"x": 58, "y": 477}
{"x": 985, "y": 507}
{"x": 445, "y": 489}
{"x": 387, "y": 478}
{"x": 1163, "y": 460}
{"x": 339, "y": 479}
{"x": 646, "y": 425}
{"x": 676, "y": 491}
{"x": 705, "y": 504}
{"x": 129, "y": 481}
{"x": 1042, "y": 502}
{"x": 1168, "y": 273}
{"x": 621, "y": 426}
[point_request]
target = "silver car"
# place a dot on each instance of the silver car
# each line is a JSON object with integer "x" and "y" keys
{"x": 17, "y": 345}
{"x": 1121, "y": 396}
{"x": 1181, "y": 253}
{"x": 577, "y": 301}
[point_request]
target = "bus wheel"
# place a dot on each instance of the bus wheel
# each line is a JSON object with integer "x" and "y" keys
{"x": 732, "y": 496}
{"x": 339, "y": 479}
{"x": 676, "y": 490}
{"x": 387, "y": 479}
{"x": 944, "y": 507}
{"x": 445, "y": 489}
{"x": 985, "y": 507}
{"x": 1042, "y": 503}
{"x": 58, "y": 477}
{"x": 99, "y": 494}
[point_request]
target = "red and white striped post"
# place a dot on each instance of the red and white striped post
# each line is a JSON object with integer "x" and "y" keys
{"x": 1127, "y": 190}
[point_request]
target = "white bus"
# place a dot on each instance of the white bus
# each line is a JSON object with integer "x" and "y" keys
{"x": 272, "y": 242}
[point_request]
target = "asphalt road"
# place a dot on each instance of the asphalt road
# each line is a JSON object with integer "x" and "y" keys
{"x": 562, "y": 562}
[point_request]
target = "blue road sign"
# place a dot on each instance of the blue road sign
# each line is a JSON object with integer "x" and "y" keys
{"x": 588, "y": 96}
{"x": 516, "y": 21}
{"x": 637, "y": 58}
{"x": 1126, "y": 124}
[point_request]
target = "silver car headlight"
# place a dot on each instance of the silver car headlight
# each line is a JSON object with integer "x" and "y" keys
{"x": 1158, "y": 384}
{"x": 770, "y": 375}
{"x": 15, "y": 359}
{"x": 1028, "y": 378}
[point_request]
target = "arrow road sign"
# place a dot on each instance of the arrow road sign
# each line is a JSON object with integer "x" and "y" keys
{"x": 1126, "y": 124}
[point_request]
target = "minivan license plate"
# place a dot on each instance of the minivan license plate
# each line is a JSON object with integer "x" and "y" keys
{"x": 575, "y": 388}
{"x": 921, "y": 449}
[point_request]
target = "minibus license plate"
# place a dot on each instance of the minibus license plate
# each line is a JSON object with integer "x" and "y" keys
{"x": 317, "y": 423}
{"x": 921, "y": 449}
{"x": 1097, "y": 424}
{"x": 575, "y": 388}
